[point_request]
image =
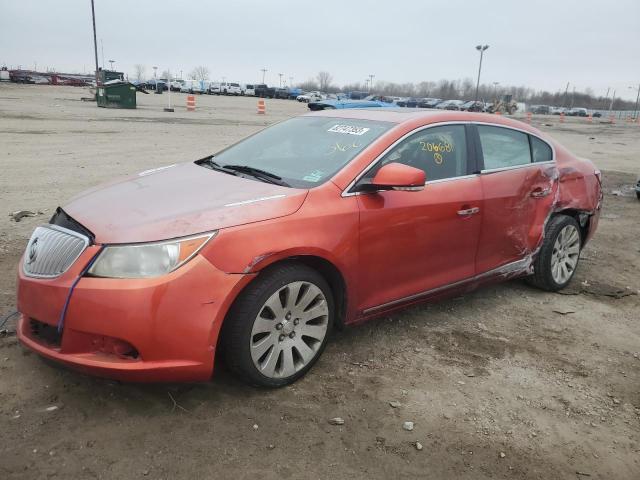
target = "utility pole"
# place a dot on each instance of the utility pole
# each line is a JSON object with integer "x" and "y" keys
{"x": 606, "y": 96}
{"x": 612, "y": 99}
{"x": 635, "y": 109}
{"x": 102, "y": 53}
{"x": 263, "y": 70}
{"x": 371, "y": 77}
{"x": 564, "y": 99}
{"x": 280, "y": 75}
{"x": 95, "y": 41}
{"x": 481, "y": 49}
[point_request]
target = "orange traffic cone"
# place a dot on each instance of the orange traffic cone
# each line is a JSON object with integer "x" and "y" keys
{"x": 261, "y": 107}
{"x": 590, "y": 118}
{"x": 528, "y": 117}
{"x": 612, "y": 118}
{"x": 562, "y": 117}
{"x": 191, "y": 103}
{"x": 498, "y": 112}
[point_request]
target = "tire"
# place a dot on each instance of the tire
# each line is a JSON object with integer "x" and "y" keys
{"x": 562, "y": 245}
{"x": 271, "y": 348}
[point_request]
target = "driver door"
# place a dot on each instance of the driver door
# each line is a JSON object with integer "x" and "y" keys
{"x": 414, "y": 242}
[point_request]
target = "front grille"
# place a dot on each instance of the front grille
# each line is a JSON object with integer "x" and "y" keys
{"x": 52, "y": 250}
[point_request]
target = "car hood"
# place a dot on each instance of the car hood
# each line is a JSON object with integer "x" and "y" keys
{"x": 176, "y": 201}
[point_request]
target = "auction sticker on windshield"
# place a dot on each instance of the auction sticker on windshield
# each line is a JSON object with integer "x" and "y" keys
{"x": 349, "y": 129}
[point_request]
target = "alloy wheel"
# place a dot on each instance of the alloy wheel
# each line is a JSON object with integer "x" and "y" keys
{"x": 289, "y": 329}
{"x": 566, "y": 252}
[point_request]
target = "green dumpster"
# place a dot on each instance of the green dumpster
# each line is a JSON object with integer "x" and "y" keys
{"x": 119, "y": 95}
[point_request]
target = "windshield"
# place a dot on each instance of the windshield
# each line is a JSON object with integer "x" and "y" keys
{"x": 304, "y": 151}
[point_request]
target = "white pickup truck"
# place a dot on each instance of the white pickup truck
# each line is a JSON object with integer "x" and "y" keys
{"x": 248, "y": 90}
{"x": 227, "y": 88}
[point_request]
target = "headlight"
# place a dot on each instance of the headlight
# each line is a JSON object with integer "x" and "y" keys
{"x": 145, "y": 260}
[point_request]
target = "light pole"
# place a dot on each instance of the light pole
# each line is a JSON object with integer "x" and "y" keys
{"x": 635, "y": 109}
{"x": 495, "y": 88}
{"x": 291, "y": 82}
{"x": 481, "y": 49}
{"x": 371, "y": 77}
{"x": 280, "y": 75}
{"x": 95, "y": 41}
{"x": 263, "y": 70}
{"x": 112, "y": 62}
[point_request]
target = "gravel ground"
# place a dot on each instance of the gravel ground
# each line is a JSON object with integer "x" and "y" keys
{"x": 508, "y": 382}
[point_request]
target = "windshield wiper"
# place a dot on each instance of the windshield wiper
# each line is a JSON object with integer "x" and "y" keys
{"x": 258, "y": 173}
{"x": 213, "y": 165}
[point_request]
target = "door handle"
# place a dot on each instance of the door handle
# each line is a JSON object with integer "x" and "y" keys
{"x": 468, "y": 211}
{"x": 541, "y": 192}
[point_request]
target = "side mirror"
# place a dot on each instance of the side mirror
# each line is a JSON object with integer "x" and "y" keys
{"x": 395, "y": 176}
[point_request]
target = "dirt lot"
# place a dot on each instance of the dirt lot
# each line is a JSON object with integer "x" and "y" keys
{"x": 508, "y": 382}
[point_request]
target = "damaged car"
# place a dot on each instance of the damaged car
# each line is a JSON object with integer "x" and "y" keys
{"x": 255, "y": 254}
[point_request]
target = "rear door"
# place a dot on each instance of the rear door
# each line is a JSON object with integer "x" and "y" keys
{"x": 414, "y": 242}
{"x": 518, "y": 184}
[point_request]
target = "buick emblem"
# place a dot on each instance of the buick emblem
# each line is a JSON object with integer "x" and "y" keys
{"x": 33, "y": 251}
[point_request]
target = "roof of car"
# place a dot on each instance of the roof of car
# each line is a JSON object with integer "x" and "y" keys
{"x": 401, "y": 115}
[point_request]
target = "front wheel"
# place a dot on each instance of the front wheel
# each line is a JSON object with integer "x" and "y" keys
{"x": 558, "y": 257}
{"x": 279, "y": 326}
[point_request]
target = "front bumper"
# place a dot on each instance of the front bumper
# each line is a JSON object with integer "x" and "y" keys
{"x": 171, "y": 322}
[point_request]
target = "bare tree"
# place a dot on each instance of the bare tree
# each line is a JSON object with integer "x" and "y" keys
{"x": 309, "y": 85}
{"x": 200, "y": 73}
{"x": 165, "y": 74}
{"x": 324, "y": 80}
{"x": 139, "y": 70}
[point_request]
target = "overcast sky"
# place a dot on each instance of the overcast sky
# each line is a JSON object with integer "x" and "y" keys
{"x": 543, "y": 43}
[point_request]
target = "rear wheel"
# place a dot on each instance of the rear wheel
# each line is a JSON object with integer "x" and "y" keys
{"x": 558, "y": 257}
{"x": 279, "y": 326}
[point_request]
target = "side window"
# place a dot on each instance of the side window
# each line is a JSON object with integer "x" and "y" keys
{"x": 540, "y": 150}
{"x": 503, "y": 147}
{"x": 440, "y": 151}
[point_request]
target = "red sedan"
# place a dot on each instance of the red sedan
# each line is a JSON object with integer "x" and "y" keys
{"x": 323, "y": 220}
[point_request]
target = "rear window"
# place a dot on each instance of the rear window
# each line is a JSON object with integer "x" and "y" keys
{"x": 503, "y": 147}
{"x": 249, "y": 86}
{"x": 540, "y": 150}
{"x": 305, "y": 151}
{"x": 234, "y": 84}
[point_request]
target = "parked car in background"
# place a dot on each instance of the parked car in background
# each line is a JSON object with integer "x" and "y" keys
{"x": 310, "y": 97}
{"x": 192, "y": 86}
{"x": 450, "y": 105}
{"x": 558, "y": 110}
{"x": 282, "y": 93}
{"x": 540, "y": 109}
{"x": 596, "y": 114}
{"x": 357, "y": 95}
{"x": 578, "y": 112}
{"x": 176, "y": 85}
{"x": 371, "y": 101}
{"x": 248, "y": 90}
{"x": 472, "y": 106}
{"x": 230, "y": 88}
{"x": 294, "y": 92}
{"x": 409, "y": 102}
{"x": 429, "y": 102}
{"x": 320, "y": 221}
{"x": 263, "y": 91}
